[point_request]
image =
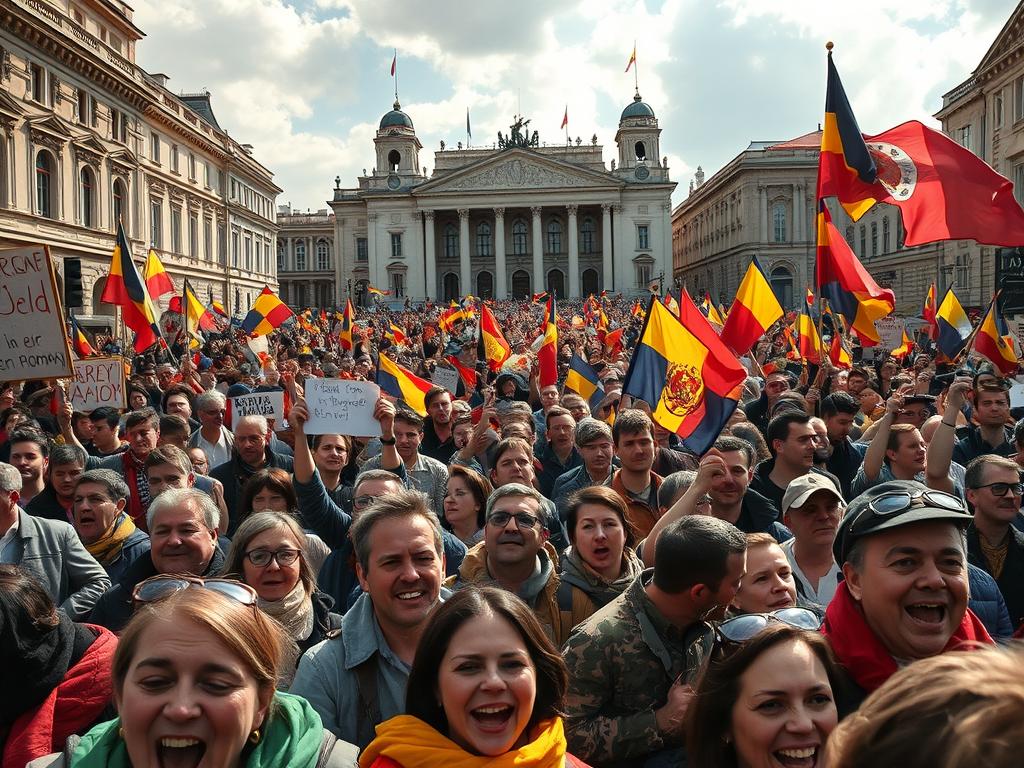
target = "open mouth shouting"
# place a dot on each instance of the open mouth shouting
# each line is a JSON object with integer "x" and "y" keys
{"x": 180, "y": 752}
{"x": 927, "y": 615}
{"x": 797, "y": 757}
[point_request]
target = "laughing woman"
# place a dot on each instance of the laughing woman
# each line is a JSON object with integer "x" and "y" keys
{"x": 486, "y": 689}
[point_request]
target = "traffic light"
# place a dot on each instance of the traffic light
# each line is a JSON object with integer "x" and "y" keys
{"x": 73, "y": 294}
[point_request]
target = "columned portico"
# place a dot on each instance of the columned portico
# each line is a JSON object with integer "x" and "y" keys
{"x": 500, "y": 281}
{"x": 606, "y": 247}
{"x": 430, "y": 254}
{"x": 538, "y": 283}
{"x": 465, "y": 271}
{"x": 574, "y": 252}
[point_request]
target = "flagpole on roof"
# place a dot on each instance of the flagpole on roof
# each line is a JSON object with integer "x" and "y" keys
{"x": 396, "y": 74}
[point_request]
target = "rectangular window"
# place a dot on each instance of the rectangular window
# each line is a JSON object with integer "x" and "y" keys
{"x": 208, "y": 240}
{"x": 79, "y": 18}
{"x": 997, "y": 109}
{"x": 191, "y": 166}
{"x": 94, "y": 112}
{"x": 155, "y": 223}
{"x": 963, "y": 137}
{"x": 193, "y": 234}
{"x": 643, "y": 275}
{"x": 248, "y": 254}
{"x": 118, "y": 126}
{"x": 396, "y": 245}
{"x": 863, "y": 241}
{"x": 1018, "y": 98}
{"x": 234, "y": 249}
{"x": 1018, "y": 182}
{"x": 83, "y": 106}
{"x": 176, "y": 229}
{"x": 874, "y": 238}
{"x": 206, "y": 174}
{"x": 38, "y": 83}
{"x": 643, "y": 237}
{"x": 154, "y": 147}
{"x": 115, "y": 42}
{"x": 221, "y": 245}
{"x": 397, "y": 285}
{"x": 362, "y": 249}
{"x": 174, "y": 158}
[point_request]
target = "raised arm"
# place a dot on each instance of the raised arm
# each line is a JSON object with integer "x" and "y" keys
{"x": 940, "y": 449}
{"x": 712, "y": 467}
{"x": 875, "y": 454}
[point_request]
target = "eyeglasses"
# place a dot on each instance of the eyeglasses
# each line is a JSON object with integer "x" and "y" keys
{"x": 362, "y": 501}
{"x": 523, "y": 520}
{"x": 1001, "y": 489}
{"x": 262, "y": 557}
{"x": 739, "y": 629}
{"x": 158, "y": 587}
{"x": 900, "y": 501}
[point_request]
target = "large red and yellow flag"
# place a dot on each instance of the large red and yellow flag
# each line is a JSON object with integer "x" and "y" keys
{"x": 928, "y": 312}
{"x": 994, "y": 341}
{"x": 685, "y": 373}
{"x": 808, "y": 341}
{"x": 125, "y": 287}
{"x": 492, "y": 346}
{"x": 403, "y": 384}
{"x": 158, "y": 282}
{"x": 754, "y": 310}
{"x": 268, "y": 312}
{"x": 347, "y": 323}
{"x": 547, "y": 355}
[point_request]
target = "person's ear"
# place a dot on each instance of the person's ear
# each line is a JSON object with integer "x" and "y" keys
{"x": 853, "y": 581}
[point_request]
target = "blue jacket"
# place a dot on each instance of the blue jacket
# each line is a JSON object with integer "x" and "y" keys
{"x": 988, "y": 604}
{"x": 134, "y": 547}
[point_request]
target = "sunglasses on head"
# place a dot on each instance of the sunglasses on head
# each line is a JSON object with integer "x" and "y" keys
{"x": 897, "y": 502}
{"x": 159, "y": 587}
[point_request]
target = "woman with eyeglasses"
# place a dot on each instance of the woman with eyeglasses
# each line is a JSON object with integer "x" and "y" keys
{"x": 269, "y": 553}
{"x": 765, "y": 697}
{"x": 194, "y": 680}
{"x": 465, "y": 499}
{"x": 601, "y": 562}
{"x": 486, "y": 689}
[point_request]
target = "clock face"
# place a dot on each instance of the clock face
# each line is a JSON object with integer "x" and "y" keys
{"x": 641, "y": 172}
{"x": 394, "y": 182}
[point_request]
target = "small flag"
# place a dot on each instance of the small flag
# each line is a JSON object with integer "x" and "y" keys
{"x": 584, "y": 381}
{"x": 492, "y": 344}
{"x": 994, "y": 341}
{"x": 126, "y": 288}
{"x": 903, "y": 349}
{"x": 632, "y": 58}
{"x": 954, "y": 325}
{"x": 547, "y": 356}
{"x": 268, "y": 312}
{"x": 394, "y": 334}
{"x": 402, "y": 383}
{"x": 754, "y": 310}
{"x": 394, "y": 63}
{"x": 928, "y": 313}
{"x": 377, "y": 291}
{"x": 158, "y": 282}
{"x": 565, "y": 117}
{"x": 79, "y": 341}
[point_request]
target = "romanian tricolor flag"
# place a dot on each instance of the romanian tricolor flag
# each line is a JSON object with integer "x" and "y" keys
{"x": 491, "y": 344}
{"x": 584, "y": 381}
{"x": 347, "y": 323}
{"x": 638, "y": 310}
{"x": 994, "y": 341}
{"x": 402, "y": 383}
{"x": 394, "y": 334}
{"x": 377, "y": 291}
{"x": 754, "y": 310}
{"x": 904, "y": 349}
{"x": 158, "y": 282}
{"x": 685, "y": 373}
{"x": 846, "y": 285}
{"x": 547, "y": 355}
{"x": 268, "y": 312}
{"x": 953, "y": 324}
{"x": 839, "y": 354}
{"x": 808, "y": 341}
{"x": 126, "y": 288}
{"x": 79, "y": 341}
{"x": 846, "y": 169}
{"x": 671, "y": 303}
{"x": 710, "y": 312}
{"x": 192, "y": 315}
{"x": 928, "y": 312}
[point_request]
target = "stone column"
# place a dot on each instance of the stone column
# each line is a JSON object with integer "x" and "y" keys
{"x": 623, "y": 275}
{"x": 574, "y": 253}
{"x": 289, "y": 252}
{"x": 372, "y": 265}
{"x": 668, "y": 260}
{"x": 312, "y": 297}
{"x": 431, "y": 256}
{"x": 465, "y": 275}
{"x": 539, "y": 278}
{"x": 606, "y": 247}
{"x": 796, "y": 234}
{"x": 500, "y": 280}
{"x": 762, "y": 201}
{"x": 339, "y": 266}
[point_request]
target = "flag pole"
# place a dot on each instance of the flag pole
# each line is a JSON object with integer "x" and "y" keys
{"x": 974, "y": 331}
{"x": 636, "y": 68}
{"x": 396, "y": 74}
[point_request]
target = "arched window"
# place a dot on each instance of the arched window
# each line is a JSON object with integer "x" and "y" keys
{"x": 88, "y": 196}
{"x": 485, "y": 285}
{"x": 556, "y": 283}
{"x": 120, "y": 198}
{"x": 590, "y": 283}
{"x": 885, "y": 234}
{"x": 483, "y": 239}
{"x": 641, "y": 150}
{"x": 45, "y": 185}
{"x": 280, "y": 256}
{"x": 323, "y": 256}
{"x": 779, "y": 223}
{"x": 394, "y": 160}
{"x": 874, "y": 238}
{"x": 554, "y": 236}
{"x": 519, "y": 239}
{"x": 520, "y": 284}
{"x": 451, "y": 242}
{"x": 300, "y": 256}
{"x": 782, "y": 285}
{"x": 451, "y": 286}
{"x": 587, "y": 230}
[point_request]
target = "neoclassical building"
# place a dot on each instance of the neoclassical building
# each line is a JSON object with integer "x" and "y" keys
{"x": 503, "y": 221}
{"x": 87, "y": 138}
{"x": 307, "y": 265}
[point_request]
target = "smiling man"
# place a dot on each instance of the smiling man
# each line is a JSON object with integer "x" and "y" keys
{"x": 904, "y": 597}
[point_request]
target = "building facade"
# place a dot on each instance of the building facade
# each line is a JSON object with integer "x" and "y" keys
{"x": 88, "y": 138}
{"x": 307, "y": 264}
{"x": 506, "y": 221}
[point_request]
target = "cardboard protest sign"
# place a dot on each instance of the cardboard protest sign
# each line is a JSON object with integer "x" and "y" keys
{"x": 446, "y": 377}
{"x": 342, "y": 407}
{"x": 98, "y": 381}
{"x": 33, "y": 339}
{"x": 269, "y": 404}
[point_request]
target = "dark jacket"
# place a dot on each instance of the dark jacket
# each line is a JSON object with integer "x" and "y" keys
{"x": 134, "y": 547}
{"x": 844, "y": 462}
{"x": 114, "y": 607}
{"x": 324, "y": 620}
{"x": 759, "y": 514}
{"x": 1011, "y": 580}
{"x": 552, "y": 468}
{"x": 987, "y": 603}
{"x": 762, "y": 482}
{"x": 47, "y": 506}
{"x": 434, "y": 447}
{"x": 233, "y": 474}
{"x": 971, "y": 446}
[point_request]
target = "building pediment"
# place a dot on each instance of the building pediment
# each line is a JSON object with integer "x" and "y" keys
{"x": 518, "y": 169}
{"x": 1008, "y": 39}
{"x": 10, "y": 110}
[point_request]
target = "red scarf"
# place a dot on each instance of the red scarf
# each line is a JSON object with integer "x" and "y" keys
{"x": 862, "y": 653}
{"x": 70, "y": 708}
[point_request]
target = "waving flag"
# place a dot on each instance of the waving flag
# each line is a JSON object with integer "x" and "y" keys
{"x": 808, "y": 341}
{"x": 79, "y": 341}
{"x": 928, "y": 313}
{"x": 377, "y": 291}
{"x": 754, "y": 310}
{"x": 685, "y": 373}
{"x": 126, "y": 288}
{"x": 954, "y": 325}
{"x": 632, "y": 58}
{"x": 584, "y": 381}
{"x": 904, "y": 349}
{"x": 710, "y": 312}
{"x": 995, "y": 342}
{"x": 192, "y": 315}
{"x": 671, "y": 303}
{"x": 402, "y": 383}
{"x": 268, "y": 312}
{"x": 158, "y": 282}
{"x": 547, "y": 355}
{"x": 347, "y": 323}
{"x": 492, "y": 346}
{"x": 394, "y": 334}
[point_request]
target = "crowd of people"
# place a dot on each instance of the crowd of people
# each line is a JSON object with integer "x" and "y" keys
{"x": 519, "y": 575}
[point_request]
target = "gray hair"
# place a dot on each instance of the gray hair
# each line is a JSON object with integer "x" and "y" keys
{"x": 10, "y": 478}
{"x": 374, "y": 474}
{"x": 590, "y": 429}
{"x": 674, "y": 486}
{"x": 397, "y": 504}
{"x": 177, "y": 498}
{"x": 258, "y": 420}
{"x": 113, "y": 484}
{"x": 516, "y": 489}
{"x": 210, "y": 397}
{"x": 253, "y": 526}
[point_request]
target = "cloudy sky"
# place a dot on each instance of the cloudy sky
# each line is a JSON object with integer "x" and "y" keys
{"x": 306, "y": 81}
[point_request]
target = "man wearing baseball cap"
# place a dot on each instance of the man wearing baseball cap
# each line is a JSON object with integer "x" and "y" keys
{"x": 812, "y": 508}
{"x": 902, "y": 551}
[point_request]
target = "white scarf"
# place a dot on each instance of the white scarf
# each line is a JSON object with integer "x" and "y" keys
{"x": 294, "y": 612}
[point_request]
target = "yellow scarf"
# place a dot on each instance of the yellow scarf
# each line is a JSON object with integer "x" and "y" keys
{"x": 413, "y": 744}
{"x": 108, "y": 546}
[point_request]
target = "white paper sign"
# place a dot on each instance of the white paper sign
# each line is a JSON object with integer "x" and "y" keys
{"x": 446, "y": 377}
{"x": 1016, "y": 394}
{"x": 342, "y": 407}
{"x": 891, "y": 330}
{"x": 269, "y": 404}
{"x": 98, "y": 381}
{"x": 33, "y": 340}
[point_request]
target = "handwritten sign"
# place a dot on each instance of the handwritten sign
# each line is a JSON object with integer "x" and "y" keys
{"x": 891, "y": 331}
{"x": 342, "y": 407}
{"x": 446, "y": 377}
{"x": 98, "y": 381}
{"x": 33, "y": 342}
{"x": 269, "y": 404}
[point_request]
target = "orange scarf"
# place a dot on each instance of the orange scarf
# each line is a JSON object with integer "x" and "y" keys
{"x": 408, "y": 741}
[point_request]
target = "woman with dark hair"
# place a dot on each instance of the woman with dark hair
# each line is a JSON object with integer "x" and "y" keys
{"x": 601, "y": 562}
{"x": 271, "y": 489}
{"x": 765, "y": 696}
{"x": 465, "y": 502}
{"x": 487, "y": 687}
{"x": 269, "y": 553}
{"x": 56, "y": 677}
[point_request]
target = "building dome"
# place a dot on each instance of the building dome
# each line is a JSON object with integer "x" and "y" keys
{"x": 396, "y": 118}
{"x": 637, "y": 109}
